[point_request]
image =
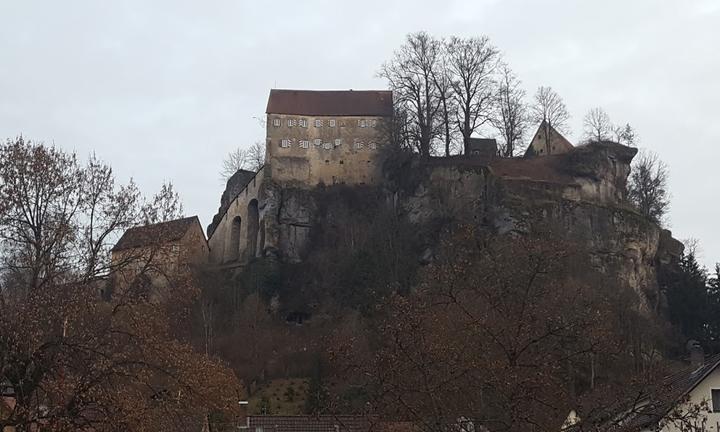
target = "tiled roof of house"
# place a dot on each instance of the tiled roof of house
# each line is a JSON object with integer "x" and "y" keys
{"x": 672, "y": 390}
{"x": 331, "y": 102}
{"x": 325, "y": 423}
{"x": 155, "y": 234}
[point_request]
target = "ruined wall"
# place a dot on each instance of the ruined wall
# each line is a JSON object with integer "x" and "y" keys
{"x": 305, "y": 151}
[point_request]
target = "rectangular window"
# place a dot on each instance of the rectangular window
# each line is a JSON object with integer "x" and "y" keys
{"x": 317, "y": 142}
{"x": 715, "y": 400}
{"x": 289, "y": 122}
{"x": 276, "y": 122}
{"x": 358, "y": 144}
{"x": 303, "y": 123}
{"x": 318, "y": 123}
{"x": 331, "y": 123}
{"x": 338, "y": 142}
{"x": 373, "y": 123}
{"x": 305, "y": 144}
{"x": 362, "y": 123}
{"x": 285, "y": 143}
{"x": 327, "y": 146}
{"x": 372, "y": 145}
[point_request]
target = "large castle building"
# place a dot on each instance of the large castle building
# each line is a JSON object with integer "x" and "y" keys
{"x": 313, "y": 138}
{"x": 326, "y": 137}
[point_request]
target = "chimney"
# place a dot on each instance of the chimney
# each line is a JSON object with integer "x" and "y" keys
{"x": 696, "y": 353}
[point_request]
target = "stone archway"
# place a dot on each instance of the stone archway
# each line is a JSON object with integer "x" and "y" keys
{"x": 253, "y": 225}
{"x": 232, "y": 248}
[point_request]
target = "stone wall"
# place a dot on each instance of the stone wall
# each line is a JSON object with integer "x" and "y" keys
{"x": 305, "y": 151}
{"x": 239, "y": 233}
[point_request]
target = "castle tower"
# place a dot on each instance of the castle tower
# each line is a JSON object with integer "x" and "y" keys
{"x": 326, "y": 137}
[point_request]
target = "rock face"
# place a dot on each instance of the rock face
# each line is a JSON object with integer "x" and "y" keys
{"x": 579, "y": 195}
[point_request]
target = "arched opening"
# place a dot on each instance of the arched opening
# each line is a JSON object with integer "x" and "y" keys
{"x": 253, "y": 225}
{"x": 261, "y": 239}
{"x": 232, "y": 247}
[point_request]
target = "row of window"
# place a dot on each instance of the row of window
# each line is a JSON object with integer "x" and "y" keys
{"x": 357, "y": 143}
{"x": 302, "y": 122}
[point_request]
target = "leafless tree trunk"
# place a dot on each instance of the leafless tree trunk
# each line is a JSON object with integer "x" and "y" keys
{"x": 550, "y": 109}
{"x": 510, "y": 116}
{"x": 647, "y": 188}
{"x": 39, "y": 200}
{"x": 165, "y": 206}
{"x": 410, "y": 76}
{"x": 472, "y": 63}
{"x": 597, "y": 125}
{"x": 251, "y": 158}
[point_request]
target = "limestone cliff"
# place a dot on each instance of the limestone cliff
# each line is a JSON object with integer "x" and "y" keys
{"x": 579, "y": 195}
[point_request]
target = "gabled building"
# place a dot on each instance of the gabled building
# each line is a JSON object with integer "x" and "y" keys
{"x": 320, "y": 136}
{"x": 687, "y": 400}
{"x": 159, "y": 251}
{"x": 547, "y": 141}
{"x": 314, "y": 137}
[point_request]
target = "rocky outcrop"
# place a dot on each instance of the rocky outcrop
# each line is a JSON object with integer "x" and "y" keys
{"x": 290, "y": 215}
{"x": 579, "y": 195}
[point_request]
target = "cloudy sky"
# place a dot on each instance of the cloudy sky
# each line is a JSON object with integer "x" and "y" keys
{"x": 163, "y": 89}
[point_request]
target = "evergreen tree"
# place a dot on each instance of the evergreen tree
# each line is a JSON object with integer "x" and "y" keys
{"x": 689, "y": 305}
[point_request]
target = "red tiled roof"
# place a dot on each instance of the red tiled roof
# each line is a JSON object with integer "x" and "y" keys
{"x": 331, "y": 102}
{"x": 325, "y": 423}
{"x": 154, "y": 234}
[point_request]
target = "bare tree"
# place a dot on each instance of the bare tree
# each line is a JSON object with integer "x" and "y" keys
{"x": 39, "y": 201}
{"x": 510, "y": 116}
{"x": 410, "y": 76}
{"x": 443, "y": 82}
{"x": 106, "y": 211}
{"x": 165, "y": 206}
{"x": 625, "y": 135}
{"x": 72, "y": 360}
{"x": 647, "y": 188}
{"x": 597, "y": 124}
{"x": 251, "y": 158}
{"x": 472, "y": 63}
{"x": 549, "y": 107}
{"x": 57, "y": 216}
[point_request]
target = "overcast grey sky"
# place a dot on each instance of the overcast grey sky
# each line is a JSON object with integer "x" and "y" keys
{"x": 164, "y": 89}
